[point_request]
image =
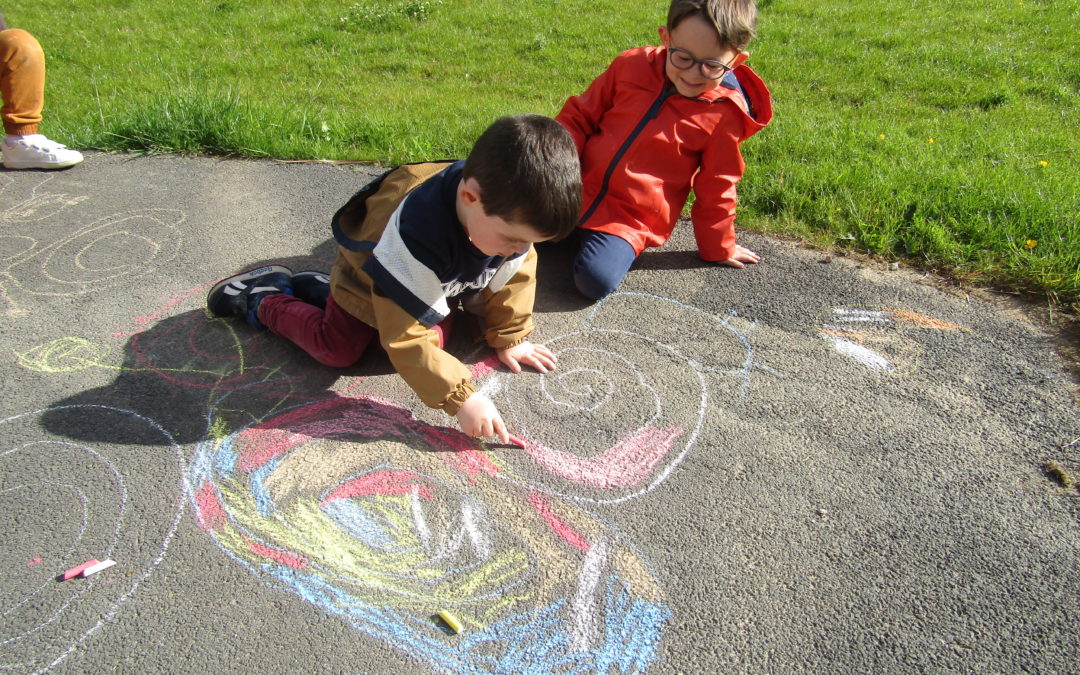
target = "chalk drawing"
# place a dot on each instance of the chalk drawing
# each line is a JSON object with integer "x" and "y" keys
{"x": 610, "y": 373}
{"x": 356, "y": 506}
{"x": 38, "y": 206}
{"x": 383, "y": 520}
{"x": 880, "y": 339}
{"x": 111, "y": 250}
{"x": 97, "y": 501}
{"x": 185, "y": 350}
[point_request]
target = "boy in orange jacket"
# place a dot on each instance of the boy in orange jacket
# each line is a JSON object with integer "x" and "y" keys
{"x": 658, "y": 122}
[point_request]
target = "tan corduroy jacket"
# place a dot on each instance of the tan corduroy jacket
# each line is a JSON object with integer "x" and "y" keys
{"x": 438, "y": 378}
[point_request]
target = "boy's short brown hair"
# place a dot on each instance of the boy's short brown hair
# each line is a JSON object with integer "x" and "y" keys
{"x": 528, "y": 170}
{"x": 735, "y": 20}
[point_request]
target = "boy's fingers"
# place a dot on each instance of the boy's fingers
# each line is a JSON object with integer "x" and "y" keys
{"x": 500, "y": 430}
{"x": 537, "y": 363}
{"x": 485, "y": 429}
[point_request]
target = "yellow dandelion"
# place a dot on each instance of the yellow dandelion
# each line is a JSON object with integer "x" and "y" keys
{"x": 881, "y": 137}
{"x": 1030, "y": 244}
{"x": 1043, "y": 162}
{"x": 931, "y": 140}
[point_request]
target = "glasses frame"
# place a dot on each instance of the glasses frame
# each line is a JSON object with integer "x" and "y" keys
{"x": 700, "y": 63}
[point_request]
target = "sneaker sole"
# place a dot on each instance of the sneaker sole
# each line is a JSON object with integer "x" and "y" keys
{"x": 16, "y": 166}
{"x": 219, "y": 287}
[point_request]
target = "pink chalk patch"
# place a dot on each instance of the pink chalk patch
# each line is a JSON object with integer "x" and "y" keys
{"x": 33, "y": 562}
{"x": 78, "y": 569}
{"x": 265, "y": 445}
{"x": 472, "y": 462}
{"x": 485, "y": 367}
{"x": 626, "y": 464}
{"x": 385, "y": 482}
{"x": 560, "y": 526}
{"x": 211, "y": 512}
{"x": 465, "y": 456}
{"x": 450, "y": 439}
{"x": 277, "y": 555}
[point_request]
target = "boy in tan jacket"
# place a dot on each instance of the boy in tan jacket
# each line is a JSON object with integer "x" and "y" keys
{"x": 419, "y": 241}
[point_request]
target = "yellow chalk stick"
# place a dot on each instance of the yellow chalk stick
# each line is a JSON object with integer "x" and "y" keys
{"x": 450, "y": 620}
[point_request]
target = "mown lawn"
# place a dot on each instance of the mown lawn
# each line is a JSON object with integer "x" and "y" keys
{"x": 941, "y": 134}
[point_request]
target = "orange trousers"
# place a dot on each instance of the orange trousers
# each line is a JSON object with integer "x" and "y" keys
{"x": 22, "y": 81}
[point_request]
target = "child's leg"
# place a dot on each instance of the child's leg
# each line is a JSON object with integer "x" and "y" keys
{"x": 601, "y": 263}
{"x": 22, "y": 81}
{"x": 332, "y": 336}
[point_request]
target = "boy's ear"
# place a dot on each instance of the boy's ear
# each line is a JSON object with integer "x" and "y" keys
{"x": 469, "y": 191}
{"x": 664, "y": 36}
{"x": 740, "y": 59}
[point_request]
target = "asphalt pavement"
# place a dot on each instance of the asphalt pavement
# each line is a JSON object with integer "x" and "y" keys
{"x": 816, "y": 464}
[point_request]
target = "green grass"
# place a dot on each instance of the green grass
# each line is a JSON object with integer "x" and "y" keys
{"x": 859, "y": 88}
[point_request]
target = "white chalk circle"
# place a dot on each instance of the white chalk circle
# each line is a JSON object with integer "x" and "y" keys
{"x": 628, "y": 400}
{"x": 120, "y": 247}
{"x": 63, "y": 502}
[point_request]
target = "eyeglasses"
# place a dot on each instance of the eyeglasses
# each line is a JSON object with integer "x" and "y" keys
{"x": 683, "y": 60}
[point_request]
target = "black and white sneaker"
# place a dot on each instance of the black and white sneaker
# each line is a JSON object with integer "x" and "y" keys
{"x": 240, "y": 294}
{"x": 312, "y": 287}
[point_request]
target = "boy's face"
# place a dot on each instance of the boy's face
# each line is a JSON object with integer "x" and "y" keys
{"x": 492, "y": 235}
{"x": 698, "y": 37}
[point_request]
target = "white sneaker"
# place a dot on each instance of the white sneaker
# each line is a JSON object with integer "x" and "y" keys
{"x": 37, "y": 152}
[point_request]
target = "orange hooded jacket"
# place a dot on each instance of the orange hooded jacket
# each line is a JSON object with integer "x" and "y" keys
{"x": 643, "y": 147}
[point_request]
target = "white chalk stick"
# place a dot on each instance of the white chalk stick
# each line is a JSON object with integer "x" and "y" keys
{"x": 94, "y": 569}
{"x": 78, "y": 569}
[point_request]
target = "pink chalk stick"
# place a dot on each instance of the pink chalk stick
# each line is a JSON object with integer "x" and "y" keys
{"x": 518, "y": 441}
{"x": 78, "y": 569}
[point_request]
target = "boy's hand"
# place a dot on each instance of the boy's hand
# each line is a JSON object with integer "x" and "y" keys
{"x": 478, "y": 416}
{"x": 526, "y": 353}
{"x": 741, "y": 258}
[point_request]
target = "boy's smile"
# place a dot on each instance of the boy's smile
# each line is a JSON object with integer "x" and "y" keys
{"x": 698, "y": 37}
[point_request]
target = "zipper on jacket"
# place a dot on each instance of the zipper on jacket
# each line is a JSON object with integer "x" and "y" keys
{"x": 650, "y": 115}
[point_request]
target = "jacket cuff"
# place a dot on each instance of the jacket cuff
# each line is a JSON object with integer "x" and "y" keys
{"x": 457, "y": 397}
{"x": 502, "y": 344}
{"x": 716, "y": 255}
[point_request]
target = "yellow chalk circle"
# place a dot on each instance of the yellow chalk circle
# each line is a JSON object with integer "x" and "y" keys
{"x": 450, "y": 620}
